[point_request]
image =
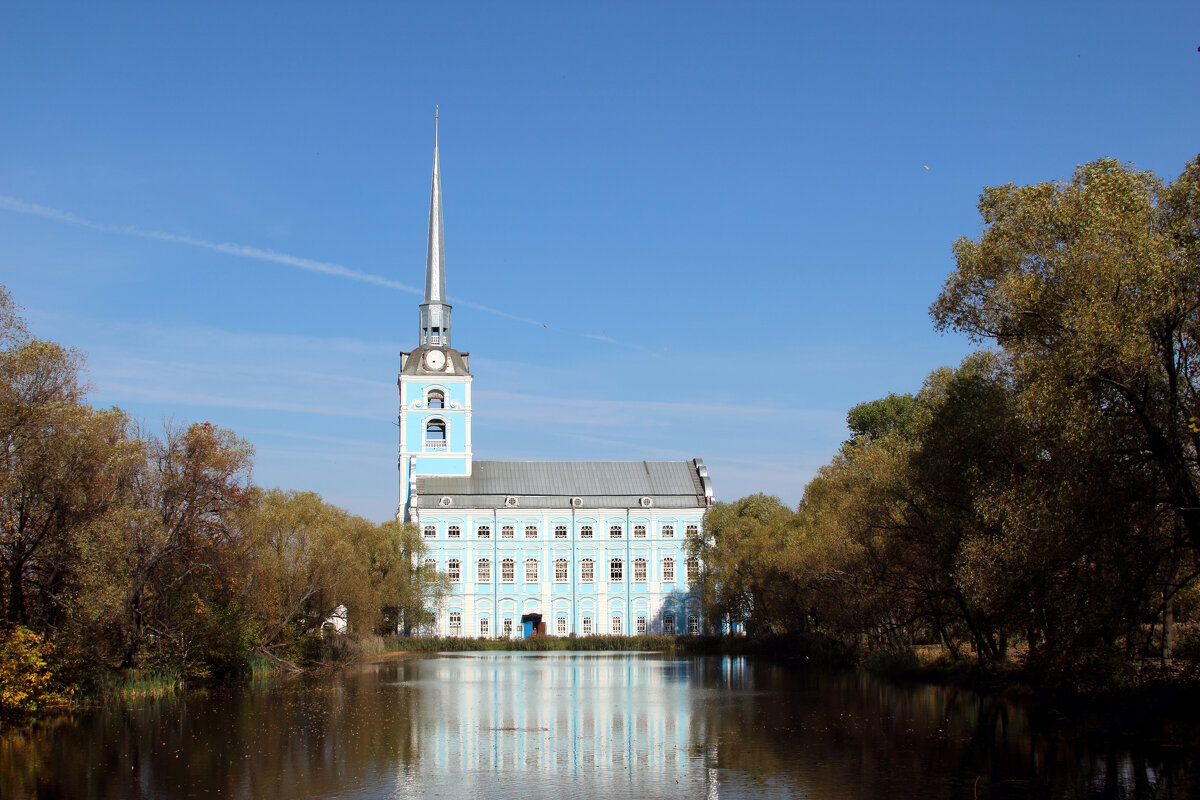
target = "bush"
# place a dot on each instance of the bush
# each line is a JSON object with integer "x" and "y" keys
{"x": 26, "y": 674}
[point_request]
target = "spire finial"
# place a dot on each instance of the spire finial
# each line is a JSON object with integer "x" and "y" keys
{"x": 435, "y": 124}
{"x": 435, "y": 311}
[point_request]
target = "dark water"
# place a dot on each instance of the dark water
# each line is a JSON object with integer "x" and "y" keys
{"x": 582, "y": 725}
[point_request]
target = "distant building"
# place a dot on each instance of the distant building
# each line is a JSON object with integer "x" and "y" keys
{"x": 573, "y": 547}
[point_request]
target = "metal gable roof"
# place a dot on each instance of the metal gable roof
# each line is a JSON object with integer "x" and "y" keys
{"x": 673, "y": 484}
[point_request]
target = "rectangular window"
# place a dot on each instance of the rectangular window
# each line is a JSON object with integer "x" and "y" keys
{"x": 454, "y": 532}
{"x": 669, "y": 624}
{"x": 454, "y": 569}
{"x": 483, "y": 628}
{"x": 616, "y": 625}
{"x": 639, "y": 570}
{"x": 693, "y": 624}
{"x": 531, "y": 531}
{"x": 614, "y": 532}
{"x": 639, "y": 531}
{"x": 484, "y": 532}
{"x": 693, "y": 530}
{"x": 430, "y": 532}
{"x": 616, "y": 570}
{"x": 560, "y": 531}
{"x": 508, "y": 627}
{"x": 668, "y": 570}
{"x": 668, "y": 531}
{"x": 508, "y": 571}
{"x": 587, "y": 570}
{"x": 531, "y": 570}
{"x": 485, "y": 571}
{"x": 507, "y": 532}
{"x": 641, "y": 625}
{"x": 455, "y": 623}
{"x": 585, "y": 532}
{"x": 587, "y": 626}
{"x": 560, "y": 570}
{"x": 693, "y": 568}
{"x": 560, "y": 626}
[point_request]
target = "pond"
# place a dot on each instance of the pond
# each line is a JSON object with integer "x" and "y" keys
{"x": 580, "y": 725}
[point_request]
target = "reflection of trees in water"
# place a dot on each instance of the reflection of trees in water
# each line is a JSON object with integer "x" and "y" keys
{"x": 311, "y": 737}
{"x": 854, "y": 736}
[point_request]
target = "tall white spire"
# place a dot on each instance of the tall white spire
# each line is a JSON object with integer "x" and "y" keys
{"x": 435, "y": 311}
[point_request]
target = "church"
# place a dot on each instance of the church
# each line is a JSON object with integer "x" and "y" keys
{"x": 557, "y": 547}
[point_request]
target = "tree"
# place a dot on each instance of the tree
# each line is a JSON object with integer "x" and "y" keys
{"x": 1091, "y": 289}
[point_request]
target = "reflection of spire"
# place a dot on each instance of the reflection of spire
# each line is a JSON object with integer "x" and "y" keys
{"x": 435, "y": 311}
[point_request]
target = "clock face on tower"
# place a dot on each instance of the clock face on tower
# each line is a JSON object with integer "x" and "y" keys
{"x": 435, "y": 359}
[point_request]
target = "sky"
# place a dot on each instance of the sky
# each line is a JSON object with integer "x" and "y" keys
{"x": 673, "y": 230}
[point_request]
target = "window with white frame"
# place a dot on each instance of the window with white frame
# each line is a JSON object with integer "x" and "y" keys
{"x": 560, "y": 626}
{"x": 585, "y": 532}
{"x": 616, "y": 625}
{"x": 587, "y": 570}
{"x": 435, "y": 434}
{"x": 693, "y": 624}
{"x": 436, "y": 399}
{"x": 454, "y": 532}
{"x": 668, "y": 531}
{"x": 693, "y": 568}
{"x": 508, "y": 571}
{"x": 531, "y": 531}
{"x": 430, "y": 531}
{"x": 669, "y": 624}
{"x": 455, "y": 623}
{"x": 484, "y": 571}
{"x": 484, "y": 628}
{"x": 639, "y": 531}
{"x": 561, "y": 571}
{"x": 668, "y": 569}
{"x": 484, "y": 531}
{"x": 508, "y": 627}
{"x": 693, "y": 530}
{"x": 614, "y": 531}
{"x": 531, "y": 570}
{"x": 616, "y": 570}
{"x": 587, "y": 626}
{"x": 639, "y": 570}
{"x": 560, "y": 531}
{"x": 641, "y": 625}
{"x": 454, "y": 569}
{"x": 507, "y": 532}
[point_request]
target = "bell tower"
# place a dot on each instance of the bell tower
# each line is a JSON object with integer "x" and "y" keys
{"x": 435, "y": 379}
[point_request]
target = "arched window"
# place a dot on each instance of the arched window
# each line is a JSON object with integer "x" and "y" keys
{"x": 587, "y": 570}
{"x": 693, "y": 624}
{"x": 693, "y": 568}
{"x": 668, "y": 531}
{"x": 561, "y": 626}
{"x": 560, "y": 531}
{"x": 641, "y": 625}
{"x": 508, "y": 571}
{"x": 668, "y": 569}
{"x": 531, "y": 570}
{"x": 669, "y": 624}
{"x": 639, "y": 531}
{"x": 639, "y": 570}
{"x": 616, "y": 570}
{"x": 531, "y": 531}
{"x": 560, "y": 570}
{"x": 484, "y": 532}
{"x": 455, "y": 623}
{"x": 587, "y": 626}
{"x": 585, "y": 532}
{"x": 616, "y": 624}
{"x": 506, "y": 531}
{"x": 454, "y": 532}
{"x": 614, "y": 532}
{"x": 485, "y": 571}
{"x": 484, "y": 628}
{"x": 435, "y": 434}
{"x": 454, "y": 569}
{"x": 436, "y": 399}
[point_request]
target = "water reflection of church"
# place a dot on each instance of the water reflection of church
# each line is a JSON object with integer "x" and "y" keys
{"x": 577, "y": 547}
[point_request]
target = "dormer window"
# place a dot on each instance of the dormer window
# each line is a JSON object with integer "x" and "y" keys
{"x": 435, "y": 434}
{"x": 436, "y": 399}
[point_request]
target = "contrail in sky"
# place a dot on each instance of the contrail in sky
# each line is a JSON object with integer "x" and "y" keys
{"x": 247, "y": 251}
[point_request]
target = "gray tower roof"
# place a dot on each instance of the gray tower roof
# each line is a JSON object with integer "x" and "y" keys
{"x": 435, "y": 311}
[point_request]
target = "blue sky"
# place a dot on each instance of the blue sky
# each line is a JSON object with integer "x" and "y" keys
{"x": 672, "y": 230}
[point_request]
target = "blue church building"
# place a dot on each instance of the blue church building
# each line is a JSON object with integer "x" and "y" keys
{"x": 558, "y": 547}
